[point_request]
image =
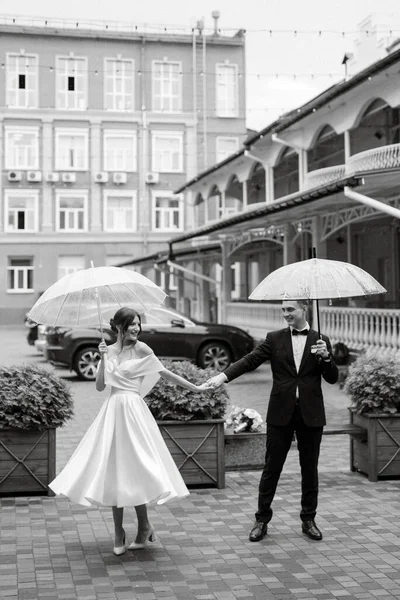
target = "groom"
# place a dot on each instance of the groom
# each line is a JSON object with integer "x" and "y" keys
{"x": 298, "y": 360}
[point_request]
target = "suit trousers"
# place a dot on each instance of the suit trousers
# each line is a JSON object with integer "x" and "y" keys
{"x": 279, "y": 440}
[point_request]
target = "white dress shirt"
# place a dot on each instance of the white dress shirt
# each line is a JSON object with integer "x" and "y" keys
{"x": 298, "y": 345}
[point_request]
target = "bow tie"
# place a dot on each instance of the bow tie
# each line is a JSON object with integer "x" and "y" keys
{"x": 297, "y": 332}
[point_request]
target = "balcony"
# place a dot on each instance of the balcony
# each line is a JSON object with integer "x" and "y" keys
{"x": 324, "y": 176}
{"x": 375, "y": 159}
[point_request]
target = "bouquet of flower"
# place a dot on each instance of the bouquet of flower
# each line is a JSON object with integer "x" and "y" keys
{"x": 244, "y": 419}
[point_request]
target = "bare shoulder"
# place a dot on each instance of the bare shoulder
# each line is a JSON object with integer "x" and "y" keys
{"x": 143, "y": 349}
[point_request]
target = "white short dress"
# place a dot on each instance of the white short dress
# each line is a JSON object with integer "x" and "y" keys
{"x": 122, "y": 459}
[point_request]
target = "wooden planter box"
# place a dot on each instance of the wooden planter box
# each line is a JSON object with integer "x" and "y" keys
{"x": 377, "y": 456}
{"x": 27, "y": 462}
{"x": 197, "y": 448}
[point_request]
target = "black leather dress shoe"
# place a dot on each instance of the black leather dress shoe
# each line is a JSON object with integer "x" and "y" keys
{"x": 311, "y": 530}
{"x": 258, "y": 532}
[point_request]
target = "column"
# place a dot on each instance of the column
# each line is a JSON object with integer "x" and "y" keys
{"x": 269, "y": 183}
{"x": 289, "y": 250}
{"x": 96, "y": 190}
{"x": 303, "y": 169}
{"x": 244, "y": 194}
{"x": 48, "y": 190}
{"x": 226, "y": 279}
{"x": 347, "y": 146}
{"x": 204, "y": 292}
{"x": 321, "y": 247}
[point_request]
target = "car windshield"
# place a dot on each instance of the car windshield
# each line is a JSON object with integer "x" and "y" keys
{"x": 164, "y": 316}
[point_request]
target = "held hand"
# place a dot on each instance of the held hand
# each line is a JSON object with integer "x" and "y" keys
{"x": 320, "y": 349}
{"x": 214, "y": 382}
{"x": 103, "y": 349}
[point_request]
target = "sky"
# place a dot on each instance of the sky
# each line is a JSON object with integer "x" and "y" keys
{"x": 294, "y": 48}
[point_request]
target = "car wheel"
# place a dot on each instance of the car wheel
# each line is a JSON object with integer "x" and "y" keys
{"x": 214, "y": 355}
{"x": 85, "y": 363}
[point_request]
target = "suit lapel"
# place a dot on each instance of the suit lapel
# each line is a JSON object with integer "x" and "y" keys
{"x": 311, "y": 339}
{"x": 287, "y": 342}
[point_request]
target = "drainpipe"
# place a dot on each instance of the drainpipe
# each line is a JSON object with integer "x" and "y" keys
{"x": 376, "y": 204}
{"x": 205, "y": 141}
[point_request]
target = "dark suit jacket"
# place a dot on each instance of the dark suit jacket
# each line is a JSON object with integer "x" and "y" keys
{"x": 277, "y": 348}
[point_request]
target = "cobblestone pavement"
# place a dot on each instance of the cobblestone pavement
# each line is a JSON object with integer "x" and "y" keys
{"x": 52, "y": 549}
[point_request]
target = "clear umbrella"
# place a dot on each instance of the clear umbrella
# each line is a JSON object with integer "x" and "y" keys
{"x": 317, "y": 279}
{"x": 90, "y": 297}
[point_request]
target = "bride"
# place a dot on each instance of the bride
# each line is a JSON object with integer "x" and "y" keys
{"x": 122, "y": 459}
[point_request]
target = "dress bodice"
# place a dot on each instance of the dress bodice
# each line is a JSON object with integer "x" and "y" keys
{"x": 137, "y": 375}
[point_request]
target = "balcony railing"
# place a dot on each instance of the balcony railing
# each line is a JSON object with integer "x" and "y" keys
{"x": 375, "y": 159}
{"x": 324, "y": 176}
{"x": 358, "y": 328}
{"x": 361, "y": 328}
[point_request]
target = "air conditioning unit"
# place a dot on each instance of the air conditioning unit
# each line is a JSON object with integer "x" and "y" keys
{"x": 14, "y": 176}
{"x": 52, "y": 177}
{"x": 152, "y": 178}
{"x": 119, "y": 178}
{"x": 34, "y": 176}
{"x": 68, "y": 177}
{"x": 101, "y": 177}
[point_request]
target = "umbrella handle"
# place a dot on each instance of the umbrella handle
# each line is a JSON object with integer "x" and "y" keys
{"x": 96, "y": 293}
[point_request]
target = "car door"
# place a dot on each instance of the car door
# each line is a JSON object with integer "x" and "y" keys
{"x": 168, "y": 334}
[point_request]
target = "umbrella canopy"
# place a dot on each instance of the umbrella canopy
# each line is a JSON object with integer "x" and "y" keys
{"x": 90, "y": 297}
{"x": 316, "y": 279}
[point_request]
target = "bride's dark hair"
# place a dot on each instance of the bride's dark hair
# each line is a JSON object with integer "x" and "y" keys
{"x": 124, "y": 317}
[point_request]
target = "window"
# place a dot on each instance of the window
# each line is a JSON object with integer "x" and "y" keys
{"x": 227, "y": 90}
{"x": 226, "y": 146}
{"x": 20, "y": 275}
{"x": 167, "y": 86}
{"x": 71, "y": 211}
{"x": 161, "y": 282}
{"x": 167, "y": 212}
{"x": 119, "y": 84}
{"x": 22, "y": 148}
{"x": 70, "y": 264}
{"x": 167, "y": 155}
{"x": 120, "y": 151}
{"x": 22, "y": 81}
{"x": 71, "y": 83}
{"x": 119, "y": 211}
{"x": 21, "y": 208}
{"x": 71, "y": 149}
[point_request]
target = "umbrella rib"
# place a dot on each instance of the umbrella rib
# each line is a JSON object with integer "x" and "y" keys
{"x": 60, "y": 309}
{"x": 144, "y": 306}
{"x": 116, "y": 299}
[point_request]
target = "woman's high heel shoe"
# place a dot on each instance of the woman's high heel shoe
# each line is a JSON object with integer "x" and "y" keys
{"x": 151, "y": 537}
{"x": 118, "y": 550}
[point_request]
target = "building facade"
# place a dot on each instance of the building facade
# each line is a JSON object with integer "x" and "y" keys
{"x": 324, "y": 176}
{"x": 97, "y": 130}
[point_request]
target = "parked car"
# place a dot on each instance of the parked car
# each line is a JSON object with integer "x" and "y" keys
{"x": 169, "y": 333}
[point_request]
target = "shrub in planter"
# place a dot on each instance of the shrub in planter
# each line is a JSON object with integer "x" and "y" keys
{"x": 33, "y": 402}
{"x": 373, "y": 383}
{"x": 33, "y": 398}
{"x": 192, "y": 424}
{"x": 170, "y": 402}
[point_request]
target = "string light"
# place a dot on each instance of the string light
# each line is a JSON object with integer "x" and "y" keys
{"x": 140, "y": 72}
{"x": 120, "y": 27}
